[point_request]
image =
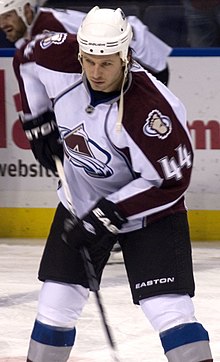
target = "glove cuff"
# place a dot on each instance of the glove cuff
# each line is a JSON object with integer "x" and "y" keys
{"x": 41, "y": 126}
{"x": 109, "y": 215}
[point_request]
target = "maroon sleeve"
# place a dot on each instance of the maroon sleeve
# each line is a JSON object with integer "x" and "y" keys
{"x": 17, "y": 61}
{"x": 164, "y": 140}
{"x": 46, "y": 22}
{"x": 59, "y": 52}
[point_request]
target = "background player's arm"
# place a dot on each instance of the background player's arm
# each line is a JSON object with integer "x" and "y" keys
{"x": 150, "y": 51}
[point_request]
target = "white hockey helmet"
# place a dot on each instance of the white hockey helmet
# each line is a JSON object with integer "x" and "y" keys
{"x": 18, "y": 6}
{"x": 105, "y": 31}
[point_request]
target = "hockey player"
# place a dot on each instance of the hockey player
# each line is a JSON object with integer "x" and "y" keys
{"x": 128, "y": 161}
{"x": 22, "y": 20}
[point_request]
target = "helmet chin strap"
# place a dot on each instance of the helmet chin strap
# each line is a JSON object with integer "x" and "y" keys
{"x": 121, "y": 101}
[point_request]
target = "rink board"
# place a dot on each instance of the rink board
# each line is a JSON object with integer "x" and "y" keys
{"x": 35, "y": 223}
{"x": 28, "y": 192}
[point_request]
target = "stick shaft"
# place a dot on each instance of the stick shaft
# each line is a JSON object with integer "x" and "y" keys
{"x": 89, "y": 268}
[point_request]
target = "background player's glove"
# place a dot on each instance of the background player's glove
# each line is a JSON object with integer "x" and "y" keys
{"x": 44, "y": 137}
{"x": 102, "y": 223}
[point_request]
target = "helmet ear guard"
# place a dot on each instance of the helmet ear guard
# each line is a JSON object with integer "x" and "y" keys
{"x": 104, "y": 32}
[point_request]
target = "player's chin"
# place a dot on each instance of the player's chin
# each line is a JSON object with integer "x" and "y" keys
{"x": 11, "y": 37}
{"x": 98, "y": 86}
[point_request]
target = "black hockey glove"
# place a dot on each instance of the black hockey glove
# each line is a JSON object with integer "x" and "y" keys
{"x": 44, "y": 137}
{"x": 102, "y": 223}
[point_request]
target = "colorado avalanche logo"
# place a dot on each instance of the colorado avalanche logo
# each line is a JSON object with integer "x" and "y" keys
{"x": 29, "y": 49}
{"x": 157, "y": 125}
{"x": 85, "y": 153}
{"x": 54, "y": 38}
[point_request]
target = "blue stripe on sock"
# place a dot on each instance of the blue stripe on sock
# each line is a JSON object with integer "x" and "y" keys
{"x": 183, "y": 334}
{"x": 53, "y": 336}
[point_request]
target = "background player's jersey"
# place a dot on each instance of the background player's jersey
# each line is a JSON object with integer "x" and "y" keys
{"x": 149, "y": 50}
{"x": 144, "y": 168}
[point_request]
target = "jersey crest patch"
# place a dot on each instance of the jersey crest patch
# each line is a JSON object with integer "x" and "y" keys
{"x": 54, "y": 38}
{"x": 28, "y": 51}
{"x": 86, "y": 153}
{"x": 157, "y": 125}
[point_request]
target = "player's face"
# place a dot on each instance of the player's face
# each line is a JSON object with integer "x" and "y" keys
{"x": 12, "y": 25}
{"x": 104, "y": 72}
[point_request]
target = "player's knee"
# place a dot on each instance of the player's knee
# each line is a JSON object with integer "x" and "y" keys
{"x": 167, "y": 311}
{"x": 61, "y": 304}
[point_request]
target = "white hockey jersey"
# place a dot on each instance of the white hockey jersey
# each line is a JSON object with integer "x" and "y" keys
{"x": 146, "y": 167}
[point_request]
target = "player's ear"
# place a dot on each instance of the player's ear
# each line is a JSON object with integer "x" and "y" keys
{"x": 80, "y": 59}
{"x": 28, "y": 13}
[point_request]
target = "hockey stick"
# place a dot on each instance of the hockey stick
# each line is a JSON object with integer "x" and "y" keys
{"x": 89, "y": 268}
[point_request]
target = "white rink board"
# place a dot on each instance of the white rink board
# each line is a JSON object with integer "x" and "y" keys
{"x": 23, "y": 182}
{"x": 195, "y": 80}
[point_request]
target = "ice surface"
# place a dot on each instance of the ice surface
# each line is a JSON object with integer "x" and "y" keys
{"x": 136, "y": 341}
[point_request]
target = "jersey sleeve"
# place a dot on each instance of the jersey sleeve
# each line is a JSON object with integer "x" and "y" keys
{"x": 17, "y": 61}
{"x": 33, "y": 94}
{"x": 160, "y": 153}
{"x": 58, "y": 52}
{"x": 150, "y": 51}
{"x": 71, "y": 19}
{"x": 43, "y": 69}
